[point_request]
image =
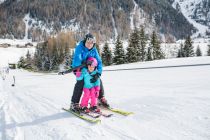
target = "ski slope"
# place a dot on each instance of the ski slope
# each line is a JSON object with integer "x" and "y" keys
{"x": 169, "y": 104}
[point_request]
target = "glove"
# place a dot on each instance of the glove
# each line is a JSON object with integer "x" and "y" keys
{"x": 76, "y": 72}
{"x": 95, "y": 77}
{"x": 61, "y": 73}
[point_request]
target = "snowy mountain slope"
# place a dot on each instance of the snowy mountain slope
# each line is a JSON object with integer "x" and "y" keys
{"x": 168, "y": 104}
{"x": 1, "y": 1}
{"x": 196, "y": 12}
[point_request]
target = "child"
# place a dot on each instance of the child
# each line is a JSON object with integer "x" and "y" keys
{"x": 91, "y": 89}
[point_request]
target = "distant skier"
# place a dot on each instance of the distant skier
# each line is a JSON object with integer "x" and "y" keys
{"x": 85, "y": 49}
{"x": 91, "y": 87}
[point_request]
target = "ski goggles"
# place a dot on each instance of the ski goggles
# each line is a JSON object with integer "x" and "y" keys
{"x": 92, "y": 63}
{"x": 91, "y": 40}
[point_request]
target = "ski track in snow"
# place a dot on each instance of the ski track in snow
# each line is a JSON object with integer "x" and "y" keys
{"x": 20, "y": 106}
{"x": 165, "y": 107}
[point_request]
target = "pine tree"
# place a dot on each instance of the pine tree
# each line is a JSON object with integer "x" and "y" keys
{"x": 198, "y": 51}
{"x": 98, "y": 49}
{"x": 42, "y": 57}
{"x": 188, "y": 48}
{"x": 149, "y": 54}
{"x": 181, "y": 52}
{"x": 155, "y": 45}
{"x": 119, "y": 53}
{"x": 55, "y": 59}
{"x": 106, "y": 55}
{"x": 67, "y": 57}
{"x": 208, "y": 52}
{"x": 28, "y": 60}
{"x": 28, "y": 57}
{"x": 133, "y": 49}
{"x": 143, "y": 40}
{"x": 21, "y": 62}
{"x": 38, "y": 57}
{"x": 61, "y": 55}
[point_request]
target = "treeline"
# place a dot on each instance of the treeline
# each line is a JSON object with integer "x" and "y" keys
{"x": 187, "y": 49}
{"x": 58, "y": 51}
{"x": 138, "y": 49}
{"x": 141, "y": 48}
{"x": 50, "y": 54}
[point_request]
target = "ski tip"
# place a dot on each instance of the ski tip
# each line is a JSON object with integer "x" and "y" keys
{"x": 97, "y": 121}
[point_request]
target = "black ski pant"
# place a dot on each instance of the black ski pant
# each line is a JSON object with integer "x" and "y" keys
{"x": 78, "y": 89}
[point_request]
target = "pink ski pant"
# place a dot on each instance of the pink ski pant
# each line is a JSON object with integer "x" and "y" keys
{"x": 90, "y": 94}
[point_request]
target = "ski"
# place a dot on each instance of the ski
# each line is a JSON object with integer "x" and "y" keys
{"x": 119, "y": 111}
{"x": 92, "y": 114}
{"x": 82, "y": 116}
{"x": 104, "y": 114}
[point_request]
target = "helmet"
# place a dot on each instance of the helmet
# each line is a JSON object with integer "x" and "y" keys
{"x": 90, "y": 37}
{"x": 92, "y": 61}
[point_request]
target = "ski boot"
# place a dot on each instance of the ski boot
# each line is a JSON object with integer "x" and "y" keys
{"x": 85, "y": 110}
{"x": 95, "y": 109}
{"x": 103, "y": 102}
{"x": 75, "y": 107}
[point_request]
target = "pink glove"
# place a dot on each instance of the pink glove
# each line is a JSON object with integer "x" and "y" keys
{"x": 78, "y": 73}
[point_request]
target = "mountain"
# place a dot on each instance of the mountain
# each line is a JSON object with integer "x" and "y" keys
{"x": 37, "y": 19}
{"x": 196, "y": 12}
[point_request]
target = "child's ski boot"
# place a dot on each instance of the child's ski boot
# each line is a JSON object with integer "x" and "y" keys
{"x": 95, "y": 109}
{"x": 85, "y": 110}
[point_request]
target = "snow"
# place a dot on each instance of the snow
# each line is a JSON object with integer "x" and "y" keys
{"x": 187, "y": 9}
{"x": 26, "y": 20}
{"x": 14, "y": 42}
{"x": 169, "y": 103}
{"x": 114, "y": 24}
{"x": 132, "y": 15}
{"x": 12, "y": 55}
{"x": 1, "y": 1}
{"x": 30, "y": 23}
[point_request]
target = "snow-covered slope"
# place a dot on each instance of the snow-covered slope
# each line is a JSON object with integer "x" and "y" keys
{"x": 1, "y": 1}
{"x": 12, "y": 55}
{"x": 169, "y": 104}
{"x": 196, "y": 13}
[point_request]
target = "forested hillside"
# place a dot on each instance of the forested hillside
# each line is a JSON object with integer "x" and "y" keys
{"x": 107, "y": 18}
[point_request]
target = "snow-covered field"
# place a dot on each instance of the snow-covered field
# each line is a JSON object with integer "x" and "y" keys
{"x": 169, "y": 104}
{"x": 13, "y": 54}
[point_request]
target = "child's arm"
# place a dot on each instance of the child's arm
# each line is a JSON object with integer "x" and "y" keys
{"x": 80, "y": 74}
